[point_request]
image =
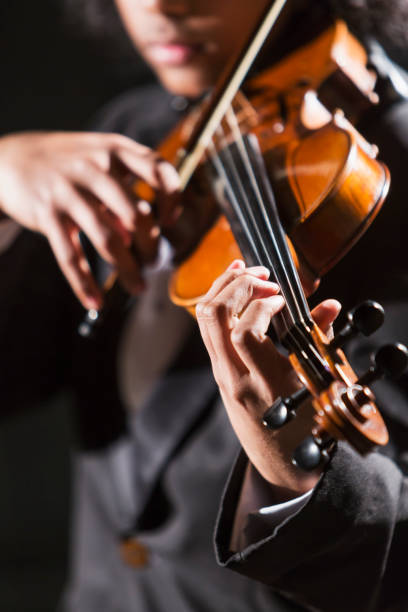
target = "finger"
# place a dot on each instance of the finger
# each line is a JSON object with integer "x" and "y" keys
{"x": 236, "y": 295}
{"x": 107, "y": 240}
{"x": 111, "y": 193}
{"x": 160, "y": 175}
{"x": 72, "y": 261}
{"x": 167, "y": 203}
{"x": 215, "y": 318}
{"x": 226, "y": 365}
{"x": 146, "y": 239}
{"x": 249, "y": 339}
{"x": 149, "y": 166}
{"x": 325, "y": 314}
{"x": 234, "y": 270}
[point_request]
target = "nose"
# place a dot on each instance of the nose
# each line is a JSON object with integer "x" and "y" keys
{"x": 177, "y": 8}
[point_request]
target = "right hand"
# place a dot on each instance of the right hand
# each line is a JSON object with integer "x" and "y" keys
{"x": 60, "y": 183}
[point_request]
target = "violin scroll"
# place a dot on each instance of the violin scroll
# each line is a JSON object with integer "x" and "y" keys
{"x": 346, "y": 409}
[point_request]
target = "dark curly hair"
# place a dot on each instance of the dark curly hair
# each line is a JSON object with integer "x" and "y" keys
{"x": 385, "y": 20}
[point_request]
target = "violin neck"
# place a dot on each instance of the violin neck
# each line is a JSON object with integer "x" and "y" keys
{"x": 251, "y": 210}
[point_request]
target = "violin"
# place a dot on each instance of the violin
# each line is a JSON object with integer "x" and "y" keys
{"x": 290, "y": 184}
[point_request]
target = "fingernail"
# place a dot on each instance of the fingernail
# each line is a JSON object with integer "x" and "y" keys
{"x": 236, "y": 264}
{"x": 144, "y": 207}
{"x": 337, "y": 305}
{"x": 170, "y": 177}
{"x": 260, "y": 271}
{"x": 155, "y": 232}
{"x": 278, "y": 301}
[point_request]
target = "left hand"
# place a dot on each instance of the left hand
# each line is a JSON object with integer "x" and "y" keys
{"x": 234, "y": 317}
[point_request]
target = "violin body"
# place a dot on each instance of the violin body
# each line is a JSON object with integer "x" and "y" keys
{"x": 328, "y": 184}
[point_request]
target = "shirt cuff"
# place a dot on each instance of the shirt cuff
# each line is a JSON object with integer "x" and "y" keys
{"x": 280, "y": 512}
{"x": 259, "y": 497}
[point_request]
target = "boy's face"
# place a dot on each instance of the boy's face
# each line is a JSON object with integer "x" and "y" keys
{"x": 188, "y": 42}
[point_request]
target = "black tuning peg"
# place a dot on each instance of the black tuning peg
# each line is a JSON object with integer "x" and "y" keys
{"x": 283, "y": 410}
{"x": 311, "y": 453}
{"x": 390, "y": 360}
{"x": 364, "y": 319}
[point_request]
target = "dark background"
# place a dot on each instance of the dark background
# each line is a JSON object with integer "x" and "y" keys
{"x": 53, "y": 73}
{"x": 53, "y": 76}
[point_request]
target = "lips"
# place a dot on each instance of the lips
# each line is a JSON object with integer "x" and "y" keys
{"x": 172, "y": 53}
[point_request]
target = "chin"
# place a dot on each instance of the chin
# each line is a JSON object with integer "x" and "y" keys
{"x": 186, "y": 82}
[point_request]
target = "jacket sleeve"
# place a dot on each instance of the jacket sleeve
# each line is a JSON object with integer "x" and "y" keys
{"x": 342, "y": 551}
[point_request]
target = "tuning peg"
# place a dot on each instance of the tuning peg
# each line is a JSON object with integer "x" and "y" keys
{"x": 390, "y": 360}
{"x": 311, "y": 453}
{"x": 283, "y": 410}
{"x": 365, "y": 319}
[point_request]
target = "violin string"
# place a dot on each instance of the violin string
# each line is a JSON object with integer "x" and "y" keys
{"x": 233, "y": 180}
{"x": 299, "y": 336}
{"x": 283, "y": 324}
{"x": 273, "y": 238}
{"x": 233, "y": 200}
{"x": 273, "y": 264}
{"x": 237, "y": 194}
{"x": 226, "y": 170}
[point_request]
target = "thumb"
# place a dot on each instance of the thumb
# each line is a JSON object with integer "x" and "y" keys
{"x": 325, "y": 313}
